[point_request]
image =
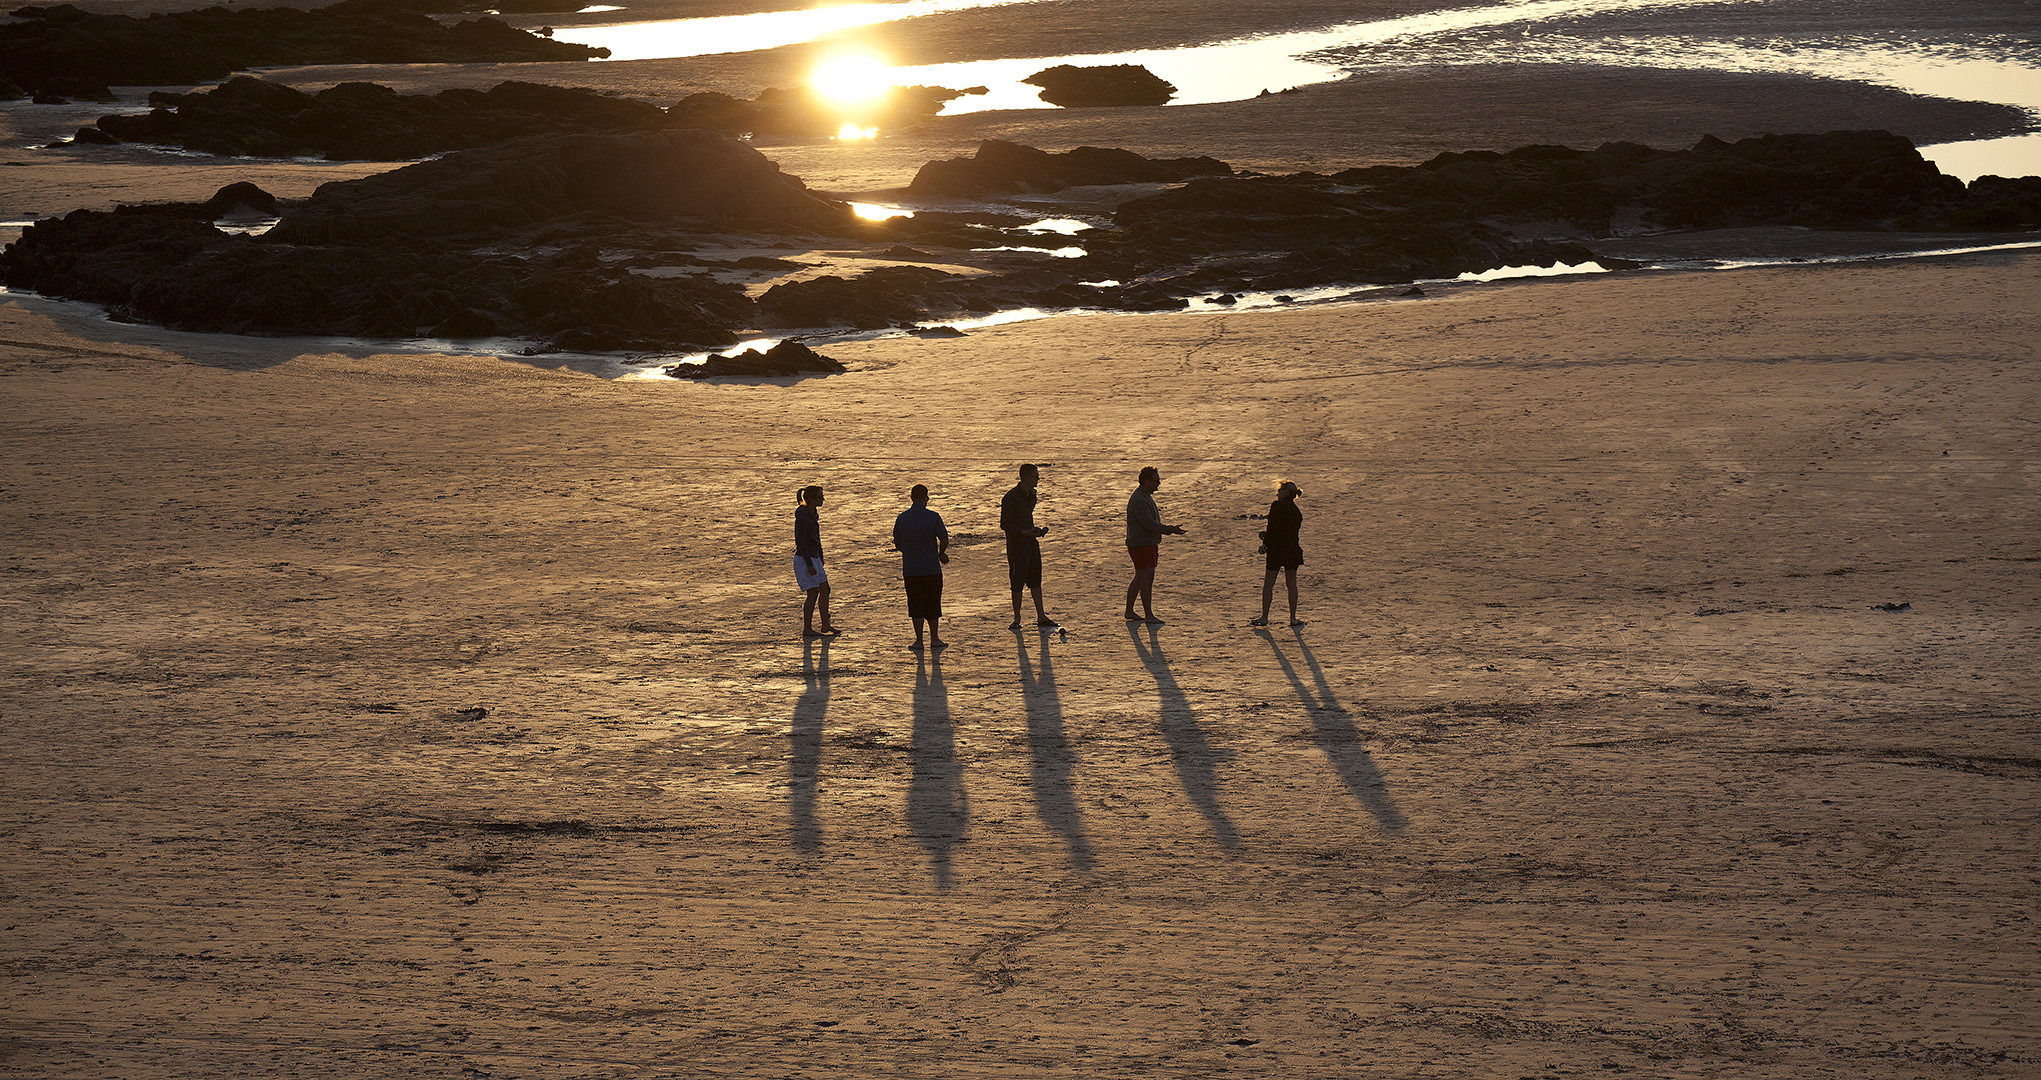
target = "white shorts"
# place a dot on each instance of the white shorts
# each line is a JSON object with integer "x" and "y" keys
{"x": 805, "y": 579}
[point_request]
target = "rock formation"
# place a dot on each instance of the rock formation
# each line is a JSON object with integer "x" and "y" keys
{"x": 44, "y": 45}
{"x": 1008, "y": 168}
{"x": 364, "y": 121}
{"x": 686, "y": 177}
{"x": 246, "y": 116}
{"x": 786, "y": 358}
{"x": 543, "y": 238}
{"x": 1108, "y": 84}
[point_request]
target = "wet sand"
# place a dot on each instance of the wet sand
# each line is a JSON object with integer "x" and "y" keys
{"x": 393, "y": 715}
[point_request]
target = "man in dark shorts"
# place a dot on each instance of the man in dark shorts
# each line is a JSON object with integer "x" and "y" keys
{"x": 1145, "y": 531}
{"x": 1023, "y": 546}
{"x": 924, "y": 545}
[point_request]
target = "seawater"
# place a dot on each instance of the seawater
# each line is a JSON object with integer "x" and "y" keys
{"x": 1995, "y": 59}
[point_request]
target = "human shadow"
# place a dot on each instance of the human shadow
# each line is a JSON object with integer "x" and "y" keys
{"x": 1334, "y": 732}
{"x": 1052, "y": 761}
{"x": 805, "y": 770}
{"x": 937, "y": 810}
{"x": 1192, "y": 754}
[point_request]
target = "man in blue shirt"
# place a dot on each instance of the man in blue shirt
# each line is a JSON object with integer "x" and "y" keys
{"x": 924, "y": 545}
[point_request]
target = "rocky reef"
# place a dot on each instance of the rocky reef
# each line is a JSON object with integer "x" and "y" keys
{"x": 1101, "y": 85}
{"x": 1004, "y": 168}
{"x": 53, "y": 51}
{"x": 251, "y": 117}
{"x": 246, "y": 116}
{"x": 786, "y": 358}
{"x": 589, "y": 241}
{"x": 700, "y": 179}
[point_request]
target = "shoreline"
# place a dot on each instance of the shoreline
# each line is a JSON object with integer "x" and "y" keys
{"x": 1683, "y": 253}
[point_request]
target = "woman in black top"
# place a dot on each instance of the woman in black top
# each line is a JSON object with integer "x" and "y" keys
{"x": 808, "y": 571}
{"x": 1284, "y": 551}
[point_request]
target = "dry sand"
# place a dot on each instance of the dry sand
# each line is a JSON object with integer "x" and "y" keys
{"x": 1597, "y": 754}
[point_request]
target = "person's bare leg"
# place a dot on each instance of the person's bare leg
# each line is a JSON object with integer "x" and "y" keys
{"x": 822, "y": 604}
{"x": 935, "y": 637}
{"x": 1144, "y": 587}
{"x": 1268, "y": 595}
{"x": 1017, "y": 609}
{"x": 1289, "y": 576}
{"x": 808, "y": 613}
{"x": 918, "y": 643}
{"x": 1133, "y": 590}
{"x": 1041, "y": 616}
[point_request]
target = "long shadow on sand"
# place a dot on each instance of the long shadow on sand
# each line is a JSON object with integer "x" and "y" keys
{"x": 1192, "y": 754}
{"x": 806, "y": 736}
{"x": 937, "y": 810}
{"x": 1052, "y": 762}
{"x": 1334, "y": 732}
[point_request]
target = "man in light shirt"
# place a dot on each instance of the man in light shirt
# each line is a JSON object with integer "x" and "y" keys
{"x": 1145, "y": 531}
{"x": 924, "y": 545}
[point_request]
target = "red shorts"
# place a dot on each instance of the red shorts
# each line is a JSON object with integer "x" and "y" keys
{"x": 1145, "y": 557}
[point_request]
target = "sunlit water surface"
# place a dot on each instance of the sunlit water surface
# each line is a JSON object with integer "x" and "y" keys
{"x": 1998, "y": 71}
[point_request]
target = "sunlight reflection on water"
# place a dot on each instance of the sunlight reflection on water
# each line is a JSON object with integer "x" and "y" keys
{"x": 1243, "y": 68}
{"x": 748, "y": 33}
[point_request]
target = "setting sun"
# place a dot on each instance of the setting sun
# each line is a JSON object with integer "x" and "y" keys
{"x": 852, "y": 79}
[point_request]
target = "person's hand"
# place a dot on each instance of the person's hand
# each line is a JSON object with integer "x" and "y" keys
{"x": 943, "y": 557}
{"x": 1041, "y": 530}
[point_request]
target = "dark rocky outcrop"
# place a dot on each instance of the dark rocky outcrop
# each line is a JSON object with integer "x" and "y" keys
{"x": 246, "y": 116}
{"x": 46, "y": 44}
{"x": 802, "y": 112}
{"x": 167, "y": 265}
{"x": 539, "y": 238}
{"x": 240, "y": 195}
{"x": 698, "y": 177}
{"x": 889, "y": 296}
{"x": 784, "y": 359}
{"x": 1009, "y": 168}
{"x": 1840, "y": 179}
{"x": 1108, "y": 84}
{"x": 364, "y": 121}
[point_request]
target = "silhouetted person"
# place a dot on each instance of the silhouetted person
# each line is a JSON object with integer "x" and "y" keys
{"x": 1145, "y": 531}
{"x": 1284, "y": 551}
{"x": 809, "y": 572}
{"x": 1023, "y": 545}
{"x": 924, "y": 545}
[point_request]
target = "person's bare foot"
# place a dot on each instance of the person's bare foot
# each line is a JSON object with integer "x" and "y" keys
{"x": 940, "y": 643}
{"x": 1131, "y": 617}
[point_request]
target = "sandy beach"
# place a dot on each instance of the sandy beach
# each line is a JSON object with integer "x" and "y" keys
{"x": 382, "y": 714}
{"x": 1665, "y": 703}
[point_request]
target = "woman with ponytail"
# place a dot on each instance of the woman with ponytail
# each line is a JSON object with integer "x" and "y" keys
{"x": 808, "y": 571}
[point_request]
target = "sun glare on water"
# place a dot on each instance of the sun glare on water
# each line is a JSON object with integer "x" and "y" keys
{"x": 852, "y": 79}
{"x": 850, "y": 132}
